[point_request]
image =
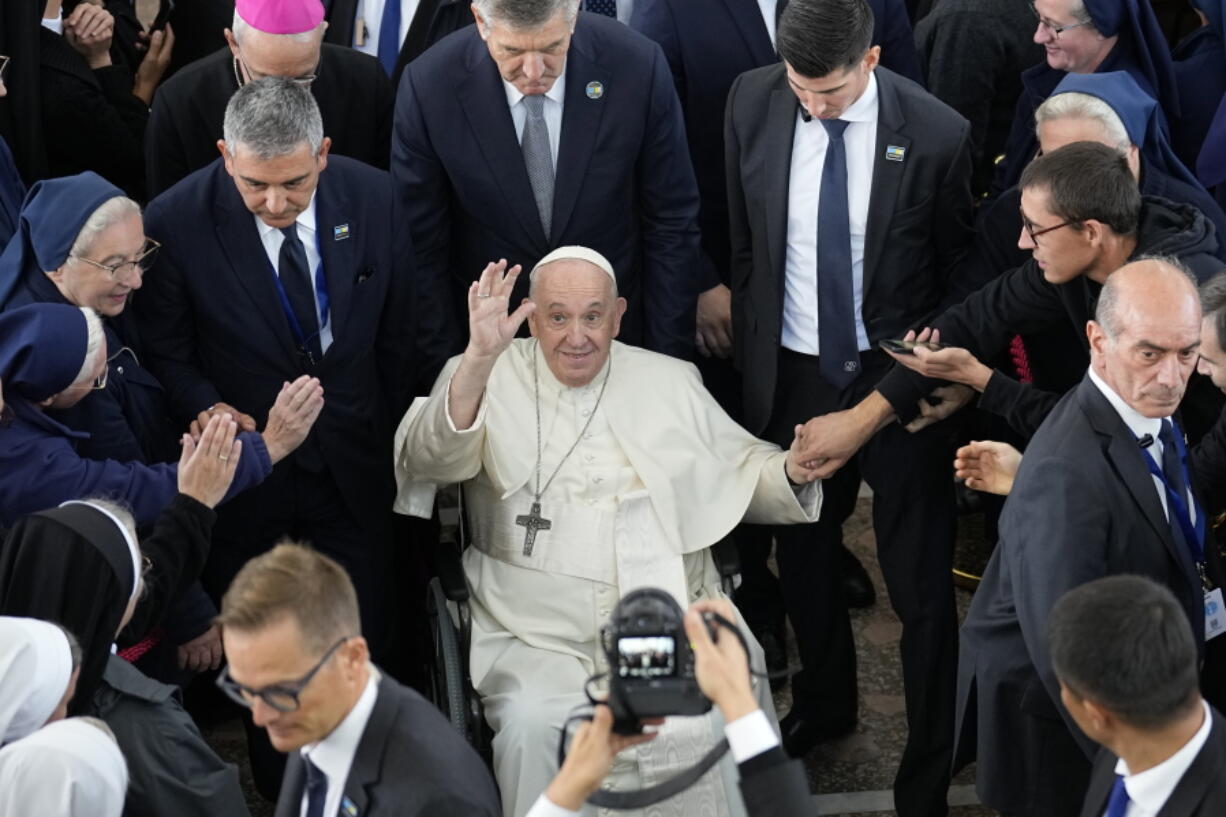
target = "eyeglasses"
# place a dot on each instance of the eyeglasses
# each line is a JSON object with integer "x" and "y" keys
{"x": 241, "y": 70}
{"x": 1034, "y": 234}
{"x": 142, "y": 262}
{"x": 1052, "y": 27}
{"x": 281, "y": 697}
{"x": 4, "y": 66}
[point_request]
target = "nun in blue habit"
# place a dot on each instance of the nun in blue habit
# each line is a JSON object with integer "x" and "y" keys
{"x": 52, "y": 356}
{"x": 1140, "y": 48}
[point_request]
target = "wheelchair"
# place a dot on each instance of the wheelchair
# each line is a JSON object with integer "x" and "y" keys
{"x": 447, "y": 603}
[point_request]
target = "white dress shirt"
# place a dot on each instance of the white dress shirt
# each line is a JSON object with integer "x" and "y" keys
{"x": 809, "y": 143}
{"x": 272, "y": 239}
{"x": 1149, "y": 790}
{"x": 1141, "y": 425}
{"x": 767, "y": 7}
{"x": 334, "y": 754}
{"x": 554, "y": 100}
{"x": 748, "y": 736}
{"x": 370, "y": 12}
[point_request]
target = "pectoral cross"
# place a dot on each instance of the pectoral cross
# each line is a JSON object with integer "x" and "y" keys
{"x": 532, "y": 522}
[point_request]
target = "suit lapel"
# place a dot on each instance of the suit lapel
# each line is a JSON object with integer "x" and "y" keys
{"x": 240, "y": 241}
{"x": 581, "y": 118}
{"x": 780, "y": 132}
{"x": 887, "y": 175}
{"x": 748, "y": 18}
{"x": 1125, "y": 457}
{"x": 289, "y": 802}
{"x": 1206, "y": 768}
{"x": 331, "y": 206}
{"x": 1102, "y": 778}
{"x": 484, "y": 102}
{"x": 367, "y": 767}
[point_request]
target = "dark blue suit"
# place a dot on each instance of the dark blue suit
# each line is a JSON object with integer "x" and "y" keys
{"x": 216, "y": 332}
{"x": 624, "y": 185}
{"x": 708, "y": 44}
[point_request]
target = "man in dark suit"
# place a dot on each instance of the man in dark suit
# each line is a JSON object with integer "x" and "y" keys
{"x": 271, "y": 267}
{"x": 1101, "y": 491}
{"x": 360, "y": 24}
{"x": 359, "y": 743}
{"x": 847, "y": 212}
{"x": 539, "y": 128}
{"x": 1126, "y": 662}
{"x": 281, "y": 39}
{"x": 708, "y": 45}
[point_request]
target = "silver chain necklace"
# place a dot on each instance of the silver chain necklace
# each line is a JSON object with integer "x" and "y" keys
{"x": 533, "y": 521}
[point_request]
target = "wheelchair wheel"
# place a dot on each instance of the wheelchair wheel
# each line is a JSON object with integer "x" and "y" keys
{"x": 447, "y": 676}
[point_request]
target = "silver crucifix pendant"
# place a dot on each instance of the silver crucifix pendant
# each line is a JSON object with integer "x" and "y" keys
{"x": 532, "y": 522}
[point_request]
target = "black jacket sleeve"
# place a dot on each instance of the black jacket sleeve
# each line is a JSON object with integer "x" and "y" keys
{"x": 774, "y": 785}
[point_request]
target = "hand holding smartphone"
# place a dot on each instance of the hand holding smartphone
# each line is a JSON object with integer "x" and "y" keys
{"x": 908, "y": 347}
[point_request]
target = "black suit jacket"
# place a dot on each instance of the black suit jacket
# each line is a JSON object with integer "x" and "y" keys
{"x": 624, "y": 184}
{"x": 1201, "y": 792}
{"x": 409, "y": 763}
{"x": 216, "y": 331}
{"x": 708, "y": 44}
{"x": 1083, "y": 506}
{"x": 354, "y": 96}
{"x": 919, "y": 216}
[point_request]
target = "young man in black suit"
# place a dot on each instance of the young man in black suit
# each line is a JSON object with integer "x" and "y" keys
{"x": 849, "y": 201}
{"x": 1126, "y": 661}
{"x": 359, "y": 743}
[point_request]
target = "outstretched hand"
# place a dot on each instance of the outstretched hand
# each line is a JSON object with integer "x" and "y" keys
{"x": 207, "y": 468}
{"x": 955, "y": 364}
{"x": 490, "y": 328}
{"x": 988, "y": 466}
{"x": 292, "y": 415}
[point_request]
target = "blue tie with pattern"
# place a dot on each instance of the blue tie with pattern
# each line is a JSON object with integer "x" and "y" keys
{"x": 838, "y": 351}
{"x": 1117, "y": 804}
{"x": 316, "y": 788}
{"x": 606, "y": 7}
{"x": 389, "y": 36}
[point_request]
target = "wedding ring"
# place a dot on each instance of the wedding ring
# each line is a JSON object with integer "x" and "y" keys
{"x": 223, "y": 458}
{"x": 483, "y": 295}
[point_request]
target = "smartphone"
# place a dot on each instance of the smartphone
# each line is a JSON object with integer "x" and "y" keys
{"x": 164, "y": 11}
{"x": 907, "y": 347}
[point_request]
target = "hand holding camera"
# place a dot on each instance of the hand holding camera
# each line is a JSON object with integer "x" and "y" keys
{"x": 720, "y": 664}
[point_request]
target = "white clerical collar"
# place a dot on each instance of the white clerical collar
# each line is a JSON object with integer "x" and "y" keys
{"x": 1137, "y": 423}
{"x": 1151, "y": 788}
{"x": 306, "y": 220}
{"x": 334, "y": 754}
{"x": 863, "y": 109}
{"x": 557, "y": 92}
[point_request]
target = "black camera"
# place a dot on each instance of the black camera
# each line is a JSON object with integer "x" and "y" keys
{"x": 651, "y": 665}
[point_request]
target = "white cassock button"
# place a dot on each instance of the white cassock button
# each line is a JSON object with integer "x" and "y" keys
{"x": 603, "y": 613}
{"x": 588, "y": 458}
{"x": 597, "y": 480}
{"x": 586, "y": 412}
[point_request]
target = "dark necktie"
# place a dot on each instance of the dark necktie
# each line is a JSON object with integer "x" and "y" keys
{"x": 606, "y": 7}
{"x": 299, "y": 288}
{"x": 1172, "y": 469}
{"x": 389, "y": 36}
{"x": 1117, "y": 804}
{"x": 839, "y": 355}
{"x": 316, "y": 789}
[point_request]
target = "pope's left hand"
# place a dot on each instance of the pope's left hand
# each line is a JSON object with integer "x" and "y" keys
{"x": 954, "y": 364}
{"x": 797, "y": 472}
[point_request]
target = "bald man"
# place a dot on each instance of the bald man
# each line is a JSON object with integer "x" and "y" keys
{"x": 1102, "y": 490}
{"x": 590, "y": 468}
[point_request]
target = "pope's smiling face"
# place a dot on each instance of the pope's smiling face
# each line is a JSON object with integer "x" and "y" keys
{"x": 577, "y": 316}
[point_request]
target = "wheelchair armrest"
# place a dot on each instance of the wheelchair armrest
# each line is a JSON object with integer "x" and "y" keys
{"x": 727, "y": 557}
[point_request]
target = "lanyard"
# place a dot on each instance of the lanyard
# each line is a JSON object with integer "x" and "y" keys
{"x": 321, "y": 298}
{"x": 1178, "y": 505}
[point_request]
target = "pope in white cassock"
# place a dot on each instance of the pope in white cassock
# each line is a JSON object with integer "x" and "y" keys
{"x": 590, "y": 468}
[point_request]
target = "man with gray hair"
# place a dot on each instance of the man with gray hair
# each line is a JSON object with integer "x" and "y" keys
{"x": 545, "y": 126}
{"x": 281, "y": 38}
{"x": 590, "y": 468}
{"x": 1103, "y": 489}
{"x": 278, "y": 260}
